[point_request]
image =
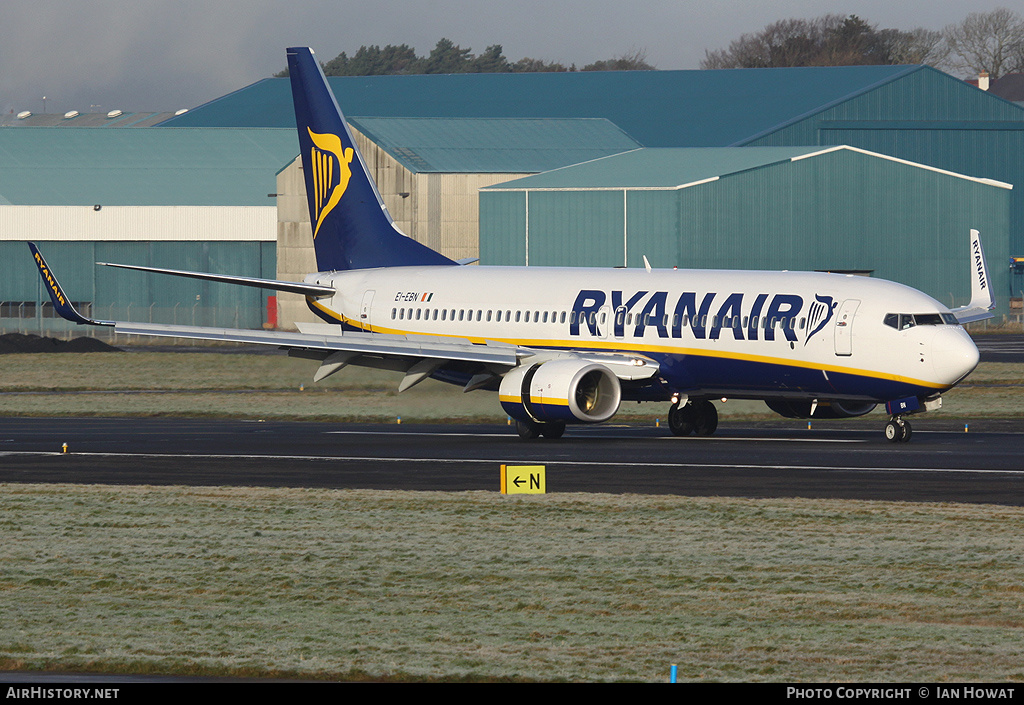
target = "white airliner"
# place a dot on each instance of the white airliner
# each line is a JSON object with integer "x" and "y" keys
{"x": 568, "y": 345}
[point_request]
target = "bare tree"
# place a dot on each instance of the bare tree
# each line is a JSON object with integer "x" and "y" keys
{"x": 918, "y": 46}
{"x": 635, "y": 60}
{"x": 829, "y": 40}
{"x": 784, "y": 43}
{"x": 987, "y": 41}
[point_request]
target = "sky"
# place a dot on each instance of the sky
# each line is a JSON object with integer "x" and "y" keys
{"x": 158, "y": 55}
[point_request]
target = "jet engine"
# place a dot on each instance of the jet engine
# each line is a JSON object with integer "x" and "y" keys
{"x": 571, "y": 391}
{"x": 825, "y": 409}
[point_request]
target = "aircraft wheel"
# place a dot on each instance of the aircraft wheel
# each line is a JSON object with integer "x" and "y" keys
{"x": 682, "y": 419}
{"x": 707, "y": 418}
{"x": 552, "y": 429}
{"x": 528, "y": 429}
{"x": 897, "y": 431}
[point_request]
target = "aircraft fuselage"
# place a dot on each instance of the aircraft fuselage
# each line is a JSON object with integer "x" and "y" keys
{"x": 713, "y": 333}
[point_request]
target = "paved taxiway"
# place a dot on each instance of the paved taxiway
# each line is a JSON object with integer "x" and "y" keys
{"x": 941, "y": 463}
{"x": 1000, "y": 347}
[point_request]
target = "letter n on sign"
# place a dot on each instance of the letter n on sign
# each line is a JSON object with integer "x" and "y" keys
{"x": 523, "y": 479}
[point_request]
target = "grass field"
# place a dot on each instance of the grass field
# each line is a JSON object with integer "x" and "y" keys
{"x": 479, "y": 586}
{"x": 268, "y": 386}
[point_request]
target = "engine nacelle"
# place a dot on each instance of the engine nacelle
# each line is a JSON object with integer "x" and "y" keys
{"x": 571, "y": 391}
{"x": 826, "y": 409}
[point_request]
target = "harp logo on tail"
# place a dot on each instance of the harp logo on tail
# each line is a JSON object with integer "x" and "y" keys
{"x": 332, "y": 170}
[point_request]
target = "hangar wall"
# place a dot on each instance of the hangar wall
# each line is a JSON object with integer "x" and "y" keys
{"x": 178, "y": 199}
{"x": 838, "y": 210}
{"x": 106, "y": 293}
{"x": 927, "y": 117}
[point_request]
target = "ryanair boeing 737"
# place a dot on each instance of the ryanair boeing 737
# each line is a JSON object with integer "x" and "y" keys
{"x": 568, "y": 345}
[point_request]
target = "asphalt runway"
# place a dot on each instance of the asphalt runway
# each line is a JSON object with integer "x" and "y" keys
{"x": 941, "y": 463}
{"x": 1000, "y": 347}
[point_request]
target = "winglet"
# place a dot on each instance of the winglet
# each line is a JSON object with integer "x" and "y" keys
{"x": 982, "y": 300}
{"x": 60, "y": 300}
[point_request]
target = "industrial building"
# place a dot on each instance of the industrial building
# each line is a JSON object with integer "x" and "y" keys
{"x": 433, "y": 142}
{"x": 180, "y": 199}
{"x": 915, "y": 113}
{"x": 429, "y": 172}
{"x": 836, "y": 209}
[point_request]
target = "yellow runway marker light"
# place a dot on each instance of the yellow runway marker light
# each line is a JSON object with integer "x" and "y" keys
{"x": 523, "y": 479}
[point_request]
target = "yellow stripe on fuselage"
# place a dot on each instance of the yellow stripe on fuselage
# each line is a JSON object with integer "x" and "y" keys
{"x": 640, "y": 349}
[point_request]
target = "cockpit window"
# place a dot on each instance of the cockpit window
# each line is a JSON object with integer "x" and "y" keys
{"x": 903, "y": 321}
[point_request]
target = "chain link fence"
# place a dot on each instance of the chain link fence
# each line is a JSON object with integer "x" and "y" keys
{"x": 31, "y": 318}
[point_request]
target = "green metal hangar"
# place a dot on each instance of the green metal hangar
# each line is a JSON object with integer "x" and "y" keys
{"x": 840, "y": 209}
{"x": 191, "y": 198}
{"x": 194, "y": 199}
{"x": 914, "y": 113}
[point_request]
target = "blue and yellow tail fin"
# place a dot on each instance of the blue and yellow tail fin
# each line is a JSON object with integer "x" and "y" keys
{"x": 352, "y": 228}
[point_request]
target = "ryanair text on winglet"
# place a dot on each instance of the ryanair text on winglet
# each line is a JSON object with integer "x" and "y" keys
{"x": 50, "y": 281}
{"x": 979, "y": 262}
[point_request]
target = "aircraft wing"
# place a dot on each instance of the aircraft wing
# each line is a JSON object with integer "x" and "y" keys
{"x": 982, "y": 301}
{"x": 442, "y": 349}
{"x": 417, "y": 356}
{"x": 292, "y": 287}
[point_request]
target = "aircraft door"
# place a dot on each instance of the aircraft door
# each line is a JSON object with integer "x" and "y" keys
{"x": 364, "y": 310}
{"x": 844, "y": 326}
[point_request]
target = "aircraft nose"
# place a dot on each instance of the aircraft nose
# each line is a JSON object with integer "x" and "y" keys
{"x": 954, "y": 354}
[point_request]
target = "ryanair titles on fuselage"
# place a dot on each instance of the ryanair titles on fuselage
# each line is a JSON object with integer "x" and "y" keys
{"x": 744, "y": 316}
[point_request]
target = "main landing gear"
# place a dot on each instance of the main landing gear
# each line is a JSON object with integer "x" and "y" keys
{"x": 897, "y": 430}
{"x": 533, "y": 429}
{"x": 698, "y": 417}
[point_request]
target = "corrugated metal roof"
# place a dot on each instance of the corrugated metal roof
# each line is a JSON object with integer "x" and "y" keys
{"x": 1009, "y": 87}
{"x": 663, "y": 168}
{"x": 671, "y": 168}
{"x": 657, "y": 108}
{"x": 495, "y": 145}
{"x": 147, "y": 166}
